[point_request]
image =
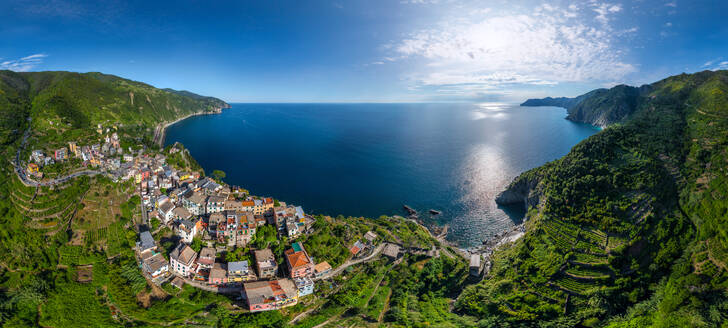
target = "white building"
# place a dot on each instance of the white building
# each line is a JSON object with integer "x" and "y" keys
{"x": 166, "y": 210}
{"x": 155, "y": 265}
{"x": 186, "y": 230}
{"x": 182, "y": 260}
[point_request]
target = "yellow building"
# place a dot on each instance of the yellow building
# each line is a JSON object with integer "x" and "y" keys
{"x": 73, "y": 148}
{"x": 32, "y": 168}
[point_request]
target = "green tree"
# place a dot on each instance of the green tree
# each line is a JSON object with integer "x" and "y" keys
{"x": 196, "y": 244}
{"x": 218, "y": 174}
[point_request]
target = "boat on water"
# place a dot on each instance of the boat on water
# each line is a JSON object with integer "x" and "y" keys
{"x": 435, "y": 212}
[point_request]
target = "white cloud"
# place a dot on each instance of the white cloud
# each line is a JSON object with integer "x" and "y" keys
{"x": 23, "y": 64}
{"x": 497, "y": 50}
{"x": 671, "y": 4}
{"x": 603, "y": 11}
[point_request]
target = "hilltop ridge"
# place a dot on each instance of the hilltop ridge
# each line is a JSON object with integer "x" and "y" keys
{"x": 79, "y": 101}
{"x": 600, "y": 107}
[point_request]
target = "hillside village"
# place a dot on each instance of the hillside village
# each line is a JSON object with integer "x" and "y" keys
{"x": 213, "y": 217}
{"x": 104, "y": 225}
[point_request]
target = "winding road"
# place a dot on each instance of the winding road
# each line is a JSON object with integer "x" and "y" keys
{"x": 32, "y": 183}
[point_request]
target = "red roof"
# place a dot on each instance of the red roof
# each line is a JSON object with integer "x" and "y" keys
{"x": 297, "y": 258}
{"x": 354, "y": 250}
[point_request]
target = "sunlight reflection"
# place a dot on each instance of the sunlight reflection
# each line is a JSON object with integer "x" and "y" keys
{"x": 493, "y": 111}
{"x": 482, "y": 176}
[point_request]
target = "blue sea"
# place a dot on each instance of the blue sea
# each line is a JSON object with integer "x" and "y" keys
{"x": 370, "y": 159}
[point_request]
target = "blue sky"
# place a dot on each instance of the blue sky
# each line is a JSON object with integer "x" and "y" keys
{"x": 370, "y": 50}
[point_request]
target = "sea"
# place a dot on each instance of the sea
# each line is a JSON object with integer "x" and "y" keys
{"x": 370, "y": 159}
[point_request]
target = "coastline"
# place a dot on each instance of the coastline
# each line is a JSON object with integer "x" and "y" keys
{"x": 486, "y": 250}
{"x": 437, "y": 232}
{"x": 160, "y": 131}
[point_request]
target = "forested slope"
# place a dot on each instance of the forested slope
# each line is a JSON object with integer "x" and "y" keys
{"x": 46, "y": 235}
{"x": 630, "y": 226}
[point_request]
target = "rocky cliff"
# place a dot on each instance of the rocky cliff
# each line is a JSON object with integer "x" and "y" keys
{"x": 600, "y": 107}
{"x": 523, "y": 190}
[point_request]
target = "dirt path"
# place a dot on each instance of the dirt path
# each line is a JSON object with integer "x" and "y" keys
{"x": 379, "y": 283}
{"x": 385, "y": 308}
{"x": 349, "y": 263}
{"x": 303, "y": 314}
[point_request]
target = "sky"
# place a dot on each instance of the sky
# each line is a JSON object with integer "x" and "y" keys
{"x": 369, "y": 50}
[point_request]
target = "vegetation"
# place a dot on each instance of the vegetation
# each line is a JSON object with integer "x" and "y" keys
{"x": 67, "y": 248}
{"x": 628, "y": 229}
{"x": 625, "y": 222}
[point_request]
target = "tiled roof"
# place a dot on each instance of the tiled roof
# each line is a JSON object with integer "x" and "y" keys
{"x": 321, "y": 267}
{"x": 218, "y": 272}
{"x": 391, "y": 250}
{"x": 297, "y": 256}
{"x": 207, "y": 252}
{"x": 261, "y": 292}
{"x": 216, "y": 218}
{"x": 166, "y": 207}
{"x": 370, "y": 236}
{"x": 265, "y": 258}
{"x": 155, "y": 262}
{"x": 197, "y": 198}
{"x": 184, "y": 254}
{"x": 181, "y": 212}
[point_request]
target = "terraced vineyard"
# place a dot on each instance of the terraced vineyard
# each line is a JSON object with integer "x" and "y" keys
{"x": 586, "y": 265}
{"x": 575, "y": 286}
{"x": 101, "y": 206}
{"x": 46, "y": 207}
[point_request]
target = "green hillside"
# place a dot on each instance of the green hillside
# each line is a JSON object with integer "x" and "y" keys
{"x": 64, "y": 105}
{"x": 600, "y": 107}
{"x": 627, "y": 230}
{"x": 632, "y": 220}
{"x": 54, "y": 238}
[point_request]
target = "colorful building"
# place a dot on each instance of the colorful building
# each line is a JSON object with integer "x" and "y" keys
{"x": 270, "y": 295}
{"x": 299, "y": 263}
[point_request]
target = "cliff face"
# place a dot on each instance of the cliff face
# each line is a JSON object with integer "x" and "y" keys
{"x": 523, "y": 190}
{"x": 564, "y": 102}
{"x": 606, "y": 107}
{"x": 600, "y": 107}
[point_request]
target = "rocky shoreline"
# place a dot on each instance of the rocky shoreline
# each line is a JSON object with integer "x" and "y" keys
{"x": 485, "y": 250}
